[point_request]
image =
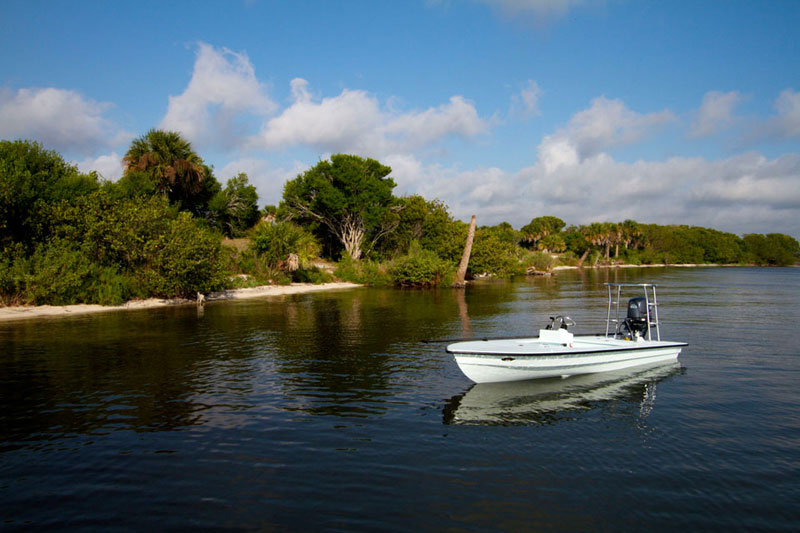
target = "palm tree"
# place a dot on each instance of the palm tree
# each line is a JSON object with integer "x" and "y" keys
{"x": 631, "y": 232}
{"x": 170, "y": 160}
{"x": 593, "y": 233}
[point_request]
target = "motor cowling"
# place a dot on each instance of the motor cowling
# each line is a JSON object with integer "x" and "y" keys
{"x": 636, "y": 321}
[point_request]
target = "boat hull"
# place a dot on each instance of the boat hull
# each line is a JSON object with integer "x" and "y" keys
{"x": 519, "y": 360}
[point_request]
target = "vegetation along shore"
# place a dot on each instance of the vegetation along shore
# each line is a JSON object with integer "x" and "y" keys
{"x": 168, "y": 229}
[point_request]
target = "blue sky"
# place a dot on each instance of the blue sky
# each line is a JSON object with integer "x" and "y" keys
{"x": 664, "y": 112}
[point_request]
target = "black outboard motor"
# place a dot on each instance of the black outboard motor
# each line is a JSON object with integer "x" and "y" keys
{"x": 636, "y": 322}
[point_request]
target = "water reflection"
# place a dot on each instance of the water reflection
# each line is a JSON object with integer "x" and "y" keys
{"x": 548, "y": 401}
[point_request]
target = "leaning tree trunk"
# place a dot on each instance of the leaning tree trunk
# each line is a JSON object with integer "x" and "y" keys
{"x": 583, "y": 257}
{"x": 461, "y": 273}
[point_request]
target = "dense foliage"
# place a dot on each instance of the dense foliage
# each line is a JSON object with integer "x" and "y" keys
{"x": 68, "y": 237}
{"x": 347, "y": 200}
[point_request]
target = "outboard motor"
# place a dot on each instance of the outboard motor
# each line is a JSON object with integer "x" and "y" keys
{"x": 636, "y": 323}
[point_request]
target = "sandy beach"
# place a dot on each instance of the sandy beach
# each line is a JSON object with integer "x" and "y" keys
{"x": 24, "y": 312}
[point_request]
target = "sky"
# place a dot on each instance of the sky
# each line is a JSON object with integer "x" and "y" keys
{"x": 667, "y": 112}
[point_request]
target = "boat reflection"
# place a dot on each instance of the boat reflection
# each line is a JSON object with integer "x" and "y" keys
{"x": 546, "y": 401}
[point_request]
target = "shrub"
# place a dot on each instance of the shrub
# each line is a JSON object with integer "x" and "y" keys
{"x": 275, "y": 241}
{"x": 184, "y": 260}
{"x": 540, "y": 261}
{"x": 493, "y": 256}
{"x": 365, "y": 272}
{"x": 422, "y": 268}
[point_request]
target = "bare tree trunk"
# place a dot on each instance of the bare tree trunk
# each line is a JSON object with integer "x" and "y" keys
{"x": 461, "y": 273}
{"x": 583, "y": 257}
{"x": 292, "y": 263}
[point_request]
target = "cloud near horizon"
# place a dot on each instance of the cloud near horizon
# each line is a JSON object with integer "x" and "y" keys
{"x": 60, "y": 119}
{"x": 606, "y": 124}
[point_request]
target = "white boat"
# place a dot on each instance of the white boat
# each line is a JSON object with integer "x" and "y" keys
{"x": 627, "y": 342}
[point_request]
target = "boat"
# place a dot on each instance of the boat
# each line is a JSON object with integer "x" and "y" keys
{"x": 628, "y": 341}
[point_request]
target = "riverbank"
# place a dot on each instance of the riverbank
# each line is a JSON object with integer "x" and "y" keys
{"x": 24, "y": 312}
{"x": 685, "y": 265}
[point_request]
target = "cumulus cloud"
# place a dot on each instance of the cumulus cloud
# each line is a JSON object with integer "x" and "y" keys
{"x": 222, "y": 92}
{"x": 339, "y": 123}
{"x": 747, "y": 193}
{"x": 606, "y": 124}
{"x": 355, "y": 121}
{"x": 715, "y": 113}
{"x": 109, "y": 166}
{"x": 60, "y": 119}
{"x": 579, "y": 182}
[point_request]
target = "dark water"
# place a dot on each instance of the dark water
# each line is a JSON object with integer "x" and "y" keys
{"x": 324, "y": 412}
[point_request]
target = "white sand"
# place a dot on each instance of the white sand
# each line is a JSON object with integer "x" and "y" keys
{"x": 26, "y": 312}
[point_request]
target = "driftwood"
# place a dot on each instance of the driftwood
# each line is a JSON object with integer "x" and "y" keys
{"x": 292, "y": 263}
{"x": 461, "y": 273}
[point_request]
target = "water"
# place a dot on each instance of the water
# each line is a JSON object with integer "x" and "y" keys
{"x": 324, "y": 412}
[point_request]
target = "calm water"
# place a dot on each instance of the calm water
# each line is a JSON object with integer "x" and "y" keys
{"x": 325, "y": 412}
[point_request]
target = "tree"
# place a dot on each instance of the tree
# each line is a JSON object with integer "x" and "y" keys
{"x": 32, "y": 178}
{"x": 235, "y": 208}
{"x": 177, "y": 171}
{"x": 350, "y": 198}
{"x": 541, "y": 227}
{"x": 772, "y": 249}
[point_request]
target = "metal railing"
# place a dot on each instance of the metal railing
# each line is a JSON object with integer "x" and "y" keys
{"x": 614, "y": 299}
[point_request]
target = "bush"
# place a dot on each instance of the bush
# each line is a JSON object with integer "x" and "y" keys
{"x": 365, "y": 272}
{"x": 182, "y": 261}
{"x": 275, "y": 241}
{"x": 493, "y": 256}
{"x": 421, "y": 268}
{"x": 540, "y": 261}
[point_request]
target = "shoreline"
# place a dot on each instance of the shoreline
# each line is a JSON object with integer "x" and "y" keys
{"x": 685, "y": 265}
{"x": 27, "y": 312}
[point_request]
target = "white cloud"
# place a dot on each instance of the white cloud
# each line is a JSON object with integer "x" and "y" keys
{"x": 606, "y": 124}
{"x": 347, "y": 121}
{"x": 786, "y": 123}
{"x": 60, "y": 119}
{"x": 458, "y": 117}
{"x": 355, "y": 121}
{"x": 715, "y": 113}
{"x": 747, "y": 193}
{"x": 526, "y": 103}
{"x": 109, "y": 166}
{"x": 223, "y": 91}
{"x": 267, "y": 179}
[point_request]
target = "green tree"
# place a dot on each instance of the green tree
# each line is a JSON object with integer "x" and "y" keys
{"x": 32, "y": 178}
{"x": 774, "y": 249}
{"x": 539, "y": 228}
{"x": 171, "y": 163}
{"x": 234, "y": 209}
{"x": 349, "y": 198}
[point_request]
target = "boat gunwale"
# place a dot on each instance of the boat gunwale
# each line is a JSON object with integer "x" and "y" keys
{"x": 636, "y": 347}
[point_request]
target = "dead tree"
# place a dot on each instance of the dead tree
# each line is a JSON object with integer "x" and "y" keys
{"x": 461, "y": 273}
